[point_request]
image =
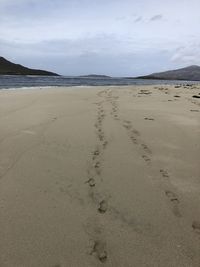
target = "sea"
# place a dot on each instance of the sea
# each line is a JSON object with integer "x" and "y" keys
{"x": 24, "y": 81}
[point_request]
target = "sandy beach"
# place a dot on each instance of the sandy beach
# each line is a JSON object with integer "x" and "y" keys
{"x": 100, "y": 176}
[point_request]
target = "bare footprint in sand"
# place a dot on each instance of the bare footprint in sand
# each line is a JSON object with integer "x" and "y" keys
{"x": 91, "y": 182}
{"x": 101, "y": 136}
{"x": 175, "y": 202}
{"x": 105, "y": 143}
{"x": 171, "y": 195}
{"x": 96, "y": 153}
{"x": 164, "y": 173}
{"x": 99, "y": 248}
{"x": 127, "y": 125}
{"x": 133, "y": 139}
{"x": 146, "y": 158}
{"x": 136, "y": 132}
{"x": 116, "y": 117}
{"x": 97, "y": 167}
{"x": 146, "y": 148}
{"x": 196, "y": 226}
{"x": 103, "y": 206}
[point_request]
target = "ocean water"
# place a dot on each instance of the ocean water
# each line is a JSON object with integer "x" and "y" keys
{"x": 15, "y": 81}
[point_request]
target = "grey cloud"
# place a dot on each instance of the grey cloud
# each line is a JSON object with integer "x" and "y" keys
{"x": 156, "y": 17}
{"x": 69, "y": 57}
{"x": 189, "y": 54}
{"x": 101, "y": 43}
{"x": 138, "y": 19}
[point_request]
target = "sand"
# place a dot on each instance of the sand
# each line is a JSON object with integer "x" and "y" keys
{"x": 100, "y": 176}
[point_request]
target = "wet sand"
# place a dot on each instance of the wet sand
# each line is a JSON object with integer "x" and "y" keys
{"x": 100, "y": 176}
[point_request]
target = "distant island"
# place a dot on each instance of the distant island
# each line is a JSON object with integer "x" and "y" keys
{"x": 96, "y": 76}
{"x": 9, "y": 68}
{"x": 191, "y": 73}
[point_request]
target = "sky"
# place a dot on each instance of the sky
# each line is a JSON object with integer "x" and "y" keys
{"x": 111, "y": 37}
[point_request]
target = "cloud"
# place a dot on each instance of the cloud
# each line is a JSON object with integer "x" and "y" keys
{"x": 100, "y": 44}
{"x": 156, "y": 17}
{"x": 138, "y": 19}
{"x": 187, "y": 55}
{"x": 121, "y": 18}
{"x": 105, "y": 54}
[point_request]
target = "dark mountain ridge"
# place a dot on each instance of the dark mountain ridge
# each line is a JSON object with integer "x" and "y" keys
{"x": 191, "y": 73}
{"x": 9, "y": 68}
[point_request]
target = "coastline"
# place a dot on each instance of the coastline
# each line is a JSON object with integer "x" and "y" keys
{"x": 22, "y": 81}
{"x": 100, "y": 175}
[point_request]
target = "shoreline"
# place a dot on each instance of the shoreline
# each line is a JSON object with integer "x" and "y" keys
{"x": 28, "y": 82}
{"x": 186, "y": 84}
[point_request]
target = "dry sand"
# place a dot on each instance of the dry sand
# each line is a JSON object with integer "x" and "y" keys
{"x": 100, "y": 176}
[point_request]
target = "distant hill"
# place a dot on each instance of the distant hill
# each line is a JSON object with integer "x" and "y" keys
{"x": 95, "y": 76}
{"x": 191, "y": 73}
{"x": 9, "y": 68}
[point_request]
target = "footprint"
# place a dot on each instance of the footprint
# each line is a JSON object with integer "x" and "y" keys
{"x": 99, "y": 248}
{"x": 145, "y": 147}
{"x": 99, "y": 119}
{"x": 127, "y": 122}
{"x": 103, "y": 206}
{"x": 116, "y": 117}
{"x": 194, "y": 110}
{"x": 171, "y": 196}
{"x": 96, "y": 125}
{"x": 175, "y": 202}
{"x": 100, "y": 131}
{"x": 146, "y": 158}
{"x": 97, "y": 166}
{"x": 133, "y": 139}
{"x": 127, "y": 126}
{"x": 101, "y": 136}
{"x": 136, "y": 132}
{"x": 91, "y": 182}
{"x": 164, "y": 173}
{"x": 105, "y": 143}
{"x": 196, "y": 226}
{"x": 96, "y": 153}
